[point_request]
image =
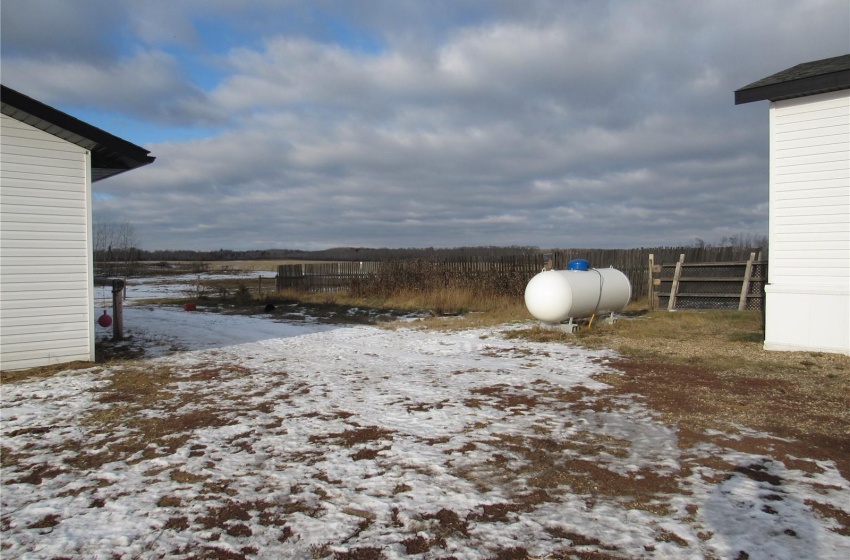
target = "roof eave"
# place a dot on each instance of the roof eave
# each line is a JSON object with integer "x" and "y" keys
{"x": 794, "y": 88}
{"x": 111, "y": 155}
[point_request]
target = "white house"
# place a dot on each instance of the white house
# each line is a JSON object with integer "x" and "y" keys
{"x": 48, "y": 161}
{"x": 808, "y": 290}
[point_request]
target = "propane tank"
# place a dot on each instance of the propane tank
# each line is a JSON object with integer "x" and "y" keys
{"x": 555, "y": 295}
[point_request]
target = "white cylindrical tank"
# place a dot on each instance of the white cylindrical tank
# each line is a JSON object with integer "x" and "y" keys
{"x": 555, "y": 295}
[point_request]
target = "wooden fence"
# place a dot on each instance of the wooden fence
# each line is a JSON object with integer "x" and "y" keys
{"x": 633, "y": 262}
{"x": 709, "y": 285}
{"x": 504, "y": 275}
{"x": 323, "y": 277}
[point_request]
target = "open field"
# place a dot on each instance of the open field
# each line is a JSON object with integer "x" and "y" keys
{"x": 306, "y": 432}
{"x": 258, "y": 266}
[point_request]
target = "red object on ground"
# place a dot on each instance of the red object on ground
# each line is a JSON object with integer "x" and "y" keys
{"x": 104, "y": 320}
{"x": 190, "y": 307}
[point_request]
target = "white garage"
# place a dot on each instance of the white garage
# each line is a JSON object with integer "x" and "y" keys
{"x": 48, "y": 162}
{"x": 808, "y": 290}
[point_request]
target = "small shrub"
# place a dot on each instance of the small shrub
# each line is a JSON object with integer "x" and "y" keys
{"x": 243, "y": 295}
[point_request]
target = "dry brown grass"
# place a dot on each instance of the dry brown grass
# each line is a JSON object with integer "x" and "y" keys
{"x": 708, "y": 369}
{"x": 464, "y": 308}
{"x": 16, "y": 376}
{"x": 721, "y": 341}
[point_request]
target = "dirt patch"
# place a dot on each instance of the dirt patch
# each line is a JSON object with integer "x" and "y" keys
{"x": 708, "y": 371}
{"x": 444, "y": 524}
{"x": 811, "y": 420}
{"x": 357, "y": 435}
{"x": 503, "y": 397}
{"x": 362, "y": 553}
{"x": 46, "y": 522}
{"x": 45, "y": 371}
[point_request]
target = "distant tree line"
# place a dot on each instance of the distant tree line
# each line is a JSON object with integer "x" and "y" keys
{"x": 458, "y": 254}
{"x": 338, "y": 254}
{"x": 739, "y": 240}
{"x": 116, "y": 251}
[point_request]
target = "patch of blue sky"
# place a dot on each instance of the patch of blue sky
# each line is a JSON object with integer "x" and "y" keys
{"x": 201, "y": 70}
{"x": 309, "y": 21}
{"x": 139, "y": 132}
{"x": 218, "y": 35}
{"x": 340, "y": 32}
{"x": 215, "y": 37}
{"x": 203, "y": 74}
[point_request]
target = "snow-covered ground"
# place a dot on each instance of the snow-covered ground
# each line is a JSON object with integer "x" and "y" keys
{"x": 270, "y": 440}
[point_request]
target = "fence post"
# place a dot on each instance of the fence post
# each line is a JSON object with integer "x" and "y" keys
{"x": 650, "y": 287}
{"x": 745, "y": 285}
{"x": 118, "y": 309}
{"x": 674, "y": 287}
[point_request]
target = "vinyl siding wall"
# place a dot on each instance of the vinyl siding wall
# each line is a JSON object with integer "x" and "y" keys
{"x": 808, "y": 301}
{"x": 810, "y": 190}
{"x": 45, "y": 249}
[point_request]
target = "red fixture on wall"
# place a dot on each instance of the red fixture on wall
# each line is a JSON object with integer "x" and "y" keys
{"x": 104, "y": 320}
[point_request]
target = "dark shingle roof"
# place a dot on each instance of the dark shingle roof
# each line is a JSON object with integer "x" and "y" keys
{"x": 809, "y": 78}
{"x": 110, "y": 155}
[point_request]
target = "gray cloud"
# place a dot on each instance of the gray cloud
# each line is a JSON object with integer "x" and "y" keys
{"x": 542, "y": 123}
{"x": 148, "y": 85}
{"x": 60, "y": 31}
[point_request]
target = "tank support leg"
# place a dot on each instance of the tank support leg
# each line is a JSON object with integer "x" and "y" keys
{"x": 569, "y": 327}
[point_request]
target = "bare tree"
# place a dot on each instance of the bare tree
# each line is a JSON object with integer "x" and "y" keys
{"x": 116, "y": 251}
{"x": 748, "y": 239}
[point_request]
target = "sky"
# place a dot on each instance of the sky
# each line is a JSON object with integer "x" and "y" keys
{"x": 401, "y": 123}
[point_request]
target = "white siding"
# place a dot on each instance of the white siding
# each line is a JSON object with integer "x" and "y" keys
{"x": 808, "y": 297}
{"x": 45, "y": 249}
{"x": 810, "y": 190}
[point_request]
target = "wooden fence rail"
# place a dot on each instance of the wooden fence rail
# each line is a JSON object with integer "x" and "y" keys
{"x": 709, "y": 285}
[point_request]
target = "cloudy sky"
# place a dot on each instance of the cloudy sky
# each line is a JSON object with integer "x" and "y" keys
{"x": 414, "y": 123}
